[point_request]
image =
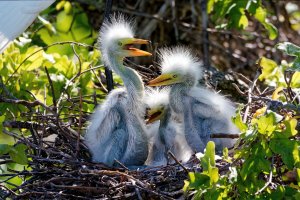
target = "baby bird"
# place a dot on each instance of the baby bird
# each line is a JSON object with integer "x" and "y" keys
{"x": 204, "y": 112}
{"x": 117, "y": 129}
{"x": 168, "y": 136}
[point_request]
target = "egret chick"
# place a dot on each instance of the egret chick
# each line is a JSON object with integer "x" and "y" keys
{"x": 169, "y": 136}
{"x": 204, "y": 112}
{"x": 117, "y": 129}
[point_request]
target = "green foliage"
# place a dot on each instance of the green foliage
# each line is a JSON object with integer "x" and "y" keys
{"x": 17, "y": 153}
{"x": 274, "y": 74}
{"x": 267, "y": 147}
{"x": 22, "y": 72}
{"x": 233, "y": 14}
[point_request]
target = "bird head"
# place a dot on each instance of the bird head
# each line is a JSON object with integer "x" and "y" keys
{"x": 178, "y": 65}
{"x": 157, "y": 102}
{"x": 117, "y": 38}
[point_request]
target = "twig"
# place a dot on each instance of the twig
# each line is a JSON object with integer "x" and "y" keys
{"x": 99, "y": 80}
{"x": 52, "y": 90}
{"x": 224, "y": 135}
{"x": 136, "y": 190}
{"x": 249, "y": 97}
{"x": 28, "y": 104}
{"x": 269, "y": 181}
{"x": 79, "y": 123}
{"x": 179, "y": 163}
{"x": 238, "y": 89}
{"x": 121, "y": 164}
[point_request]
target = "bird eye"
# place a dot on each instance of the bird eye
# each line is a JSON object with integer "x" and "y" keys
{"x": 120, "y": 43}
{"x": 174, "y": 76}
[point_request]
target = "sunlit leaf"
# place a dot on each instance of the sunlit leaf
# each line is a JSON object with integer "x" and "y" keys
{"x": 268, "y": 67}
{"x": 197, "y": 180}
{"x": 289, "y": 48}
{"x": 267, "y": 124}
{"x": 64, "y": 21}
{"x": 237, "y": 120}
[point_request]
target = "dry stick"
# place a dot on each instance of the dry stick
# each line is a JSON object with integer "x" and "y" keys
{"x": 108, "y": 72}
{"x": 179, "y": 163}
{"x": 269, "y": 181}
{"x": 136, "y": 190}
{"x": 52, "y": 90}
{"x": 99, "y": 79}
{"x": 80, "y": 124}
{"x": 238, "y": 89}
{"x": 73, "y": 78}
{"x": 224, "y": 135}
{"x": 205, "y": 38}
{"x": 113, "y": 173}
{"x": 249, "y": 97}
{"x": 121, "y": 164}
{"x": 28, "y": 104}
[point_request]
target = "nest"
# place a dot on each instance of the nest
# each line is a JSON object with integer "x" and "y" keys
{"x": 61, "y": 169}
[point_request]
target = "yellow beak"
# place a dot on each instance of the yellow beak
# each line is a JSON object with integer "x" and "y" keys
{"x": 134, "y": 52}
{"x": 164, "y": 79}
{"x": 153, "y": 116}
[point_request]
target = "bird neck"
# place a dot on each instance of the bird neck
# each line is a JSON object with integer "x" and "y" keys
{"x": 164, "y": 122}
{"x": 177, "y": 93}
{"x": 132, "y": 80}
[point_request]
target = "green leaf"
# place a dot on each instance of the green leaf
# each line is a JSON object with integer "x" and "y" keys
{"x": 288, "y": 149}
{"x": 272, "y": 30}
{"x": 237, "y": 120}
{"x": 214, "y": 175}
{"x": 18, "y": 154}
{"x": 268, "y": 66}
{"x": 210, "y": 6}
{"x": 64, "y": 21}
{"x": 4, "y": 148}
{"x": 290, "y": 129}
{"x": 296, "y": 80}
{"x": 289, "y": 48}
{"x": 81, "y": 28}
{"x": 296, "y": 65}
{"x": 208, "y": 159}
{"x": 261, "y": 16}
{"x": 198, "y": 180}
{"x": 267, "y": 124}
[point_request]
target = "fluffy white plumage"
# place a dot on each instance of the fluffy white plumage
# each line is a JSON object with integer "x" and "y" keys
{"x": 181, "y": 60}
{"x": 168, "y": 134}
{"x": 117, "y": 129}
{"x": 204, "y": 112}
{"x": 16, "y": 16}
{"x": 114, "y": 28}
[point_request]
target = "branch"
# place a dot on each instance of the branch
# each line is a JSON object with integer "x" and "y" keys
{"x": 224, "y": 135}
{"x": 269, "y": 181}
{"x": 28, "y": 104}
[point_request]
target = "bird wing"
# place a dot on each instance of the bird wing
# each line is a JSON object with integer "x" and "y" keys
{"x": 16, "y": 16}
{"x": 210, "y": 104}
{"x": 105, "y": 126}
